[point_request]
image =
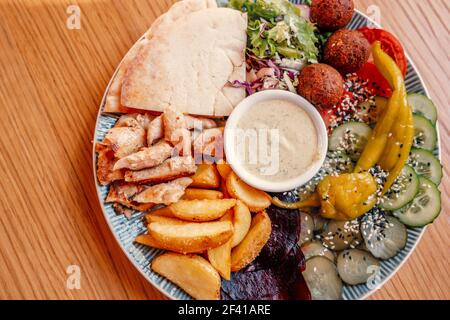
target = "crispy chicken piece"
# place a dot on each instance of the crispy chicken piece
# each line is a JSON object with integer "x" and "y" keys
{"x": 184, "y": 147}
{"x": 105, "y": 164}
{"x": 155, "y": 130}
{"x": 146, "y": 158}
{"x": 170, "y": 169}
{"x": 174, "y": 126}
{"x": 125, "y": 140}
{"x": 176, "y": 132}
{"x": 164, "y": 193}
{"x": 123, "y": 193}
{"x": 199, "y": 123}
{"x": 135, "y": 120}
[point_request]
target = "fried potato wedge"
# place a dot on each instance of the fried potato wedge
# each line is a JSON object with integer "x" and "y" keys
{"x": 254, "y": 241}
{"x": 199, "y": 194}
{"x": 201, "y": 210}
{"x": 223, "y": 189}
{"x": 168, "y": 220}
{"x": 223, "y": 168}
{"x": 206, "y": 177}
{"x": 192, "y": 273}
{"x": 147, "y": 240}
{"x": 164, "y": 211}
{"x": 241, "y": 222}
{"x": 220, "y": 257}
{"x": 191, "y": 237}
{"x": 256, "y": 200}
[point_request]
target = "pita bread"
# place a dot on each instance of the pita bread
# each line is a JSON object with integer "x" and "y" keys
{"x": 177, "y": 11}
{"x": 188, "y": 65}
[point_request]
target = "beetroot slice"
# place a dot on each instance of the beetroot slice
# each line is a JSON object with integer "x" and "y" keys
{"x": 276, "y": 272}
{"x": 284, "y": 237}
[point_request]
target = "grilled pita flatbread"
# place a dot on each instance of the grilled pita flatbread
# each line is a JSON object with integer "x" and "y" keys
{"x": 177, "y": 11}
{"x": 188, "y": 65}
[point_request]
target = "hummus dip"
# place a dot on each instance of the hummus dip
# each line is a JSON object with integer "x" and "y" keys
{"x": 276, "y": 140}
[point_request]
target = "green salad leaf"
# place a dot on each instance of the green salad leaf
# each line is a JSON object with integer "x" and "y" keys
{"x": 277, "y": 27}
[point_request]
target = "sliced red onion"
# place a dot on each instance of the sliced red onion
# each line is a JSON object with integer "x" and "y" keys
{"x": 305, "y": 11}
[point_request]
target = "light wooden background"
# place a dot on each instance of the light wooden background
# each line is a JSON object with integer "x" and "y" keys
{"x": 51, "y": 83}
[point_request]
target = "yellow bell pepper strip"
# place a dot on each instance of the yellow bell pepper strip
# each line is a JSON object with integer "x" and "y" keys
{"x": 406, "y": 145}
{"x": 312, "y": 201}
{"x": 347, "y": 196}
{"x": 395, "y": 141}
{"x": 377, "y": 142}
{"x": 372, "y": 153}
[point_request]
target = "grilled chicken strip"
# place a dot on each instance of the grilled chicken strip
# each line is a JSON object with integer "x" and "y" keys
{"x": 105, "y": 164}
{"x": 155, "y": 130}
{"x": 174, "y": 126}
{"x": 134, "y": 120}
{"x": 176, "y": 132}
{"x": 199, "y": 123}
{"x": 123, "y": 194}
{"x": 164, "y": 193}
{"x": 125, "y": 140}
{"x": 170, "y": 169}
{"x": 146, "y": 158}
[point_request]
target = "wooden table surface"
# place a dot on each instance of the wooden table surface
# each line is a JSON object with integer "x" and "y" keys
{"x": 52, "y": 81}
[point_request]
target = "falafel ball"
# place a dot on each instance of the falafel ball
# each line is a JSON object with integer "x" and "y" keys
{"x": 321, "y": 85}
{"x": 346, "y": 50}
{"x": 332, "y": 14}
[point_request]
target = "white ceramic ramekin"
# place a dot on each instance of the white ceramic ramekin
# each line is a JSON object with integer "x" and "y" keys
{"x": 230, "y": 140}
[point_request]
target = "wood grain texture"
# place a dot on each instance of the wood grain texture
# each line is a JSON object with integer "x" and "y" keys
{"x": 51, "y": 82}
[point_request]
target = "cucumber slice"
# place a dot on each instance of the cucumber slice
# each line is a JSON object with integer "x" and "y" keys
{"x": 425, "y": 135}
{"x": 423, "y": 106}
{"x": 351, "y": 138}
{"x": 426, "y": 165}
{"x": 340, "y": 235}
{"x": 402, "y": 191}
{"x": 384, "y": 235}
{"x": 315, "y": 248}
{"x": 356, "y": 266}
{"x": 307, "y": 228}
{"x": 322, "y": 279}
{"x": 337, "y": 162}
{"x": 424, "y": 209}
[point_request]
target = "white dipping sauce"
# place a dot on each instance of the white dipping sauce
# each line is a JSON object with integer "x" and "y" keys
{"x": 276, "y": 125}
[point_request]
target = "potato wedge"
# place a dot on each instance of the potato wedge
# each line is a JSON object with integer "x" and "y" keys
{"x": 201, "y": 210}
{"x": 206, "y": 177}
{"x": 254, "y": 241}
{"x": 192, "y": 273}
{"x": 223, "y": 168}
{"x": 191, "y": 237}
{"x": 223, "y": 189}
{"x": 155, "y": 218}
{"x": 164, "y": 212}
{"x": 147, "y": 240}
{"x": 241, "y": 222}
{"x": 256, "y": 200}
{"x": 220, "y": 257}
{"x": 199, "y": 194}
